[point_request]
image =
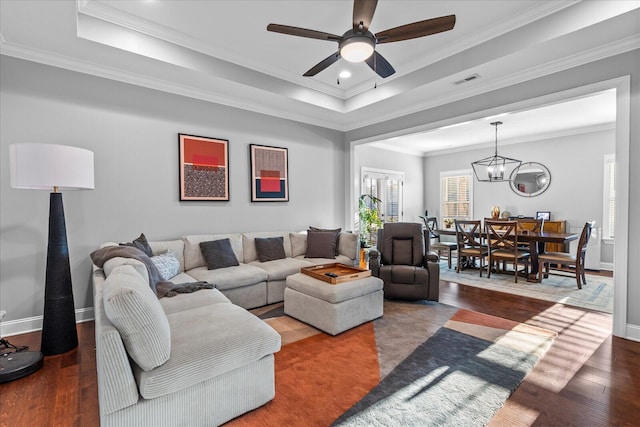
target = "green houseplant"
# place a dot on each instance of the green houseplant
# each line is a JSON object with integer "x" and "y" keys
{"x": 369, "y": 217}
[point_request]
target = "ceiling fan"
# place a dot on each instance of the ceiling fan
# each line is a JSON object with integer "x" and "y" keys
{"x": 358, "y": 44}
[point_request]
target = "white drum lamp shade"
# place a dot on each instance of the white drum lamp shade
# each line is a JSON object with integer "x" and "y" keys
{"x": 38, "y": 166}
{"x": 54, "y": 167}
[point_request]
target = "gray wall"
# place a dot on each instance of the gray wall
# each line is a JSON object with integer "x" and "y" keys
{"x": 412, "y": 166}
{"x": 133, "y": 133}
{"x": 574, "y": 194}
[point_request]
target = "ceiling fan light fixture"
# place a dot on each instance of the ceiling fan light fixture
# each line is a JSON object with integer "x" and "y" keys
{"x": 357, "y": 48}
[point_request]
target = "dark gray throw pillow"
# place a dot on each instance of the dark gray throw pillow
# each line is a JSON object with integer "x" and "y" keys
{"x": 140, "y": 243}
{"x": 218, "y": 254}
{"x": 321, "y": 244}
{"x": 333, "y": 230}
{"x": 270, "y": 248}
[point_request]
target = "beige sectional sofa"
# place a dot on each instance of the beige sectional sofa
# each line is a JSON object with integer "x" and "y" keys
{"x": 195, "y": 359}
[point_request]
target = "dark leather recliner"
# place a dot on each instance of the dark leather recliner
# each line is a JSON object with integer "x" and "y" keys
{"x": 401, "y": 262}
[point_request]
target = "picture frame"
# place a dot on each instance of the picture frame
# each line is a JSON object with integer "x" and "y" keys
{"x": 269, "y": 173}
{"x": 204, "y": 168}
{"x": 545, "y": 215}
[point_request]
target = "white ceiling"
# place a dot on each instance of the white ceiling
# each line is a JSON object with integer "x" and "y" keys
{"x": 220, "y": 51}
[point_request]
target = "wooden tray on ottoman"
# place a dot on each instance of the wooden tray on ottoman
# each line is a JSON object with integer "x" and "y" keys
{"x": 345, "y": 273}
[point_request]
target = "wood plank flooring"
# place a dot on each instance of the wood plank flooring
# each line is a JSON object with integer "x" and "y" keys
{"x": 587, "y": 378}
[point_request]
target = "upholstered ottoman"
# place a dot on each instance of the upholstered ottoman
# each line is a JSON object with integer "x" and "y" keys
{"x": 333, "y": 308}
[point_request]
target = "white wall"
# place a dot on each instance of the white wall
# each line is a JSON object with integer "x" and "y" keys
{"x": 574, "y": 194}
{"x": 133, "y": 133}
{"x": 413, "y": 194}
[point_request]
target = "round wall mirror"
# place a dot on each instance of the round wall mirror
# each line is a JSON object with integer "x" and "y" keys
{"x": 530, "y": 179}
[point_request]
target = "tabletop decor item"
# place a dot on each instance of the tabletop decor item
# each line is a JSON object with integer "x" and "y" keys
{"x": 495, "y": 212}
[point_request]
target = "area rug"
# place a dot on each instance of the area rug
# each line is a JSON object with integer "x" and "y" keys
{"x": 597, "y": 294}
{"x": 420, "y": 364}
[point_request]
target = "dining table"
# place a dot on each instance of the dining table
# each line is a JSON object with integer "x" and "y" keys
{"x": 536, "y": 240}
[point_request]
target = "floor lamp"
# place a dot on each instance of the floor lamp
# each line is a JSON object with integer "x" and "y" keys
{"x": 54, "y": 167}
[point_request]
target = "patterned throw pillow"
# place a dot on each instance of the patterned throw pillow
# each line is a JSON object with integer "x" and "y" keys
{"x": 167, "y": 265}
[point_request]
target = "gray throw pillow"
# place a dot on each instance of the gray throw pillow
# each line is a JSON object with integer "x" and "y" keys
{"x": 270, "y": 248}
{"x": 218, "y": 254}
{"x": 140, "y": 243}
{"x": 333, "y": 230}
{"x": 321, "y": 244}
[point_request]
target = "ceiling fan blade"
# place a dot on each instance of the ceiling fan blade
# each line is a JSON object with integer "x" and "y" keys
{"x": 380, "y": 65}
{"x": 363, "y": 13}
{"x": 302, "y": 32}
{"x": 417, "y": 29}
{"x": 322, "y": 64}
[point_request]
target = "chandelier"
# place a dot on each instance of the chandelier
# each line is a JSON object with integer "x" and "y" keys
{"x": 494, "y": 168}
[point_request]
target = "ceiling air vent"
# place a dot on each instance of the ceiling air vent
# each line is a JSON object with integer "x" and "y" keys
{"x": 467, "y": 79}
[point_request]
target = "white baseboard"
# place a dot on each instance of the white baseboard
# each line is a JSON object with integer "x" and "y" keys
{"x": 31, "y": 324}
{"x": 606, "y": 266}
{"x": 633, "y": 332}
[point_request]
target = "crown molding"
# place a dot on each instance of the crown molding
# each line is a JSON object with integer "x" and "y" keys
{"x": 86, "y": 67}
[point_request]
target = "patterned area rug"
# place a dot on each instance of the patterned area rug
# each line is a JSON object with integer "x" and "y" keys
{"x": 597, "y": 294}
{"x": 420, "y": 364}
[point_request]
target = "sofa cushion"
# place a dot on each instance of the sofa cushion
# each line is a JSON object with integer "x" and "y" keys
{"x": 321, "y": 244}
{"x": 341, "y": 259}
{"x": 234, "y": 338}
{"x": 167, "y": 265}
{"x": 349, "y": 245}
{"x": 182, "y": 302}
{"x": 115, "y": 262}
{"x": 135, "y": 311}
{"x": 270, "y": 248}
{"x": 193, "y": 255}
{"x": 230, "y": 277}
{"x": 281, "y": 268}
{"x": 333, "y": 230}
{"x": 218, "y": 254}
{"x": 175, "y": 246}
{"x": 298, "y": 244}
{"x": 249, "y": 244}
{"x": 140, "y": 243}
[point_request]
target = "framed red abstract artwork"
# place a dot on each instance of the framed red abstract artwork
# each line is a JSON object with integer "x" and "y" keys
{"x": 269, "y": 174}
{"x": 204, "y": 168}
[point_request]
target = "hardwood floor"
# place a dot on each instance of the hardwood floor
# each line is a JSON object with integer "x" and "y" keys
{"x": 587, "y": 378}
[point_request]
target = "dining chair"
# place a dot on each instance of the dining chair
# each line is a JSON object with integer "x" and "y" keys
{"x": 502, "y": 239}
{"x": 469, "y": 242}
{"x": 530, "y": 225}
{"x": 568, "y": 260}
{"x": 435, "y": 244}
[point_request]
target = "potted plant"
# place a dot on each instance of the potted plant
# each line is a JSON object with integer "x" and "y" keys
{"x": 369, "y": 218}
{"x": 448, "y": 222}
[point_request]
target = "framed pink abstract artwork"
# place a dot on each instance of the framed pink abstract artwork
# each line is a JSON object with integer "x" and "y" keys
{"x": 204, "y": 168}
{"x": 269, "y": 174}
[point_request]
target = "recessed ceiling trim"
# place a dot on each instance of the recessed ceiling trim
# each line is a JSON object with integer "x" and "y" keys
{"x": 117, "y": 17}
